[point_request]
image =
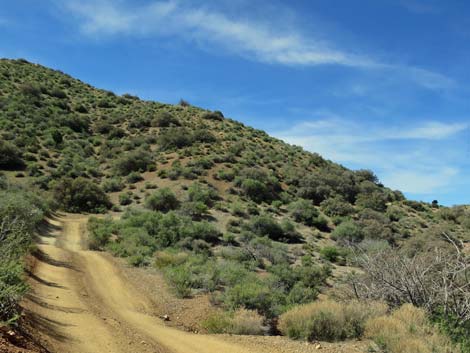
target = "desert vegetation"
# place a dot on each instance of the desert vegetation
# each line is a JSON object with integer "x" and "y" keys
{"x": 21, "y": 212}
{"x": 224, "y": 210}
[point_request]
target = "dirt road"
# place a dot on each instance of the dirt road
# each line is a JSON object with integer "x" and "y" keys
{"x": 81, "y": 304}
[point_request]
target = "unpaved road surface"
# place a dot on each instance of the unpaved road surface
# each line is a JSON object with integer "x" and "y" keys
{"x": 80, "y": 302}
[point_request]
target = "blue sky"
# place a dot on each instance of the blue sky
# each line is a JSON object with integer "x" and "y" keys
{"x": 378, "y": 84}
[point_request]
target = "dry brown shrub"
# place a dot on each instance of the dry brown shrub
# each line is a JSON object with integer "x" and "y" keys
{"x": 329, "y": 320}
{"x": 407, "y": 330}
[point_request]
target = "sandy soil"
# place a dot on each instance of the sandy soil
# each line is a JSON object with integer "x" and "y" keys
{"x": 82, "y": 302}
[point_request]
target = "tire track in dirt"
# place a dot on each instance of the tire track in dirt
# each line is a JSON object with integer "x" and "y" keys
{"x": 80, "y": 303}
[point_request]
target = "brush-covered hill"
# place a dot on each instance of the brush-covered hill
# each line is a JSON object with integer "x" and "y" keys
{"x": 219, "y": 207}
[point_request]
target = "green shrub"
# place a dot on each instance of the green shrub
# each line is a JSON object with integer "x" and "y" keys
{"x": 21, "y": 212}
{"x": 240, "y": 322}
{"x": 203, "y": 136}
{"x": 99, "y": 232}
{"x": 10, "y": 156}
{"x": 169, "y": 257}
{"x": 12, "y": 289}
{"x": 218, "y": 322}
{"x": 376, "y": 201}
{"x": 180, "y": 279}
{"x": 301, "y": 294}
{"x": 337, "y": 207}
{"x": 265, "y": 225}
{"x": 195, "y": 210}
{"x": 165, "y": 119}
{"x": 134, "y": 161}
{"x": 134, "y": 177}
{"x": 125, "y": 199}
{"x": 348, "y": 232}
{"x": 200, "y": 193}
{"x": 255, "y": 190}
{"x": 217, "y": 115}
{"x": 330, "y": 253}
{"x": 202, "y": 230}
{"x": 80, "y": 195}
{"x": 253, "y": 294}
{"x": 173, "y": 138}
{"x": 258, "y": 185}
{"x": 162, "y": 200}
{"x": 113, "y": 185}
{"x": 303, "y": 211}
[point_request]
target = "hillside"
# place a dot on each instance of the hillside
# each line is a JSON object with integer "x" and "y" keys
{"x": 221, "y": 209}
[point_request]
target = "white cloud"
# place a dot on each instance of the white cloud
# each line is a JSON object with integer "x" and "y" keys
{"x": 420, "y": 182}
{"x": 417, "y": 159}
{"x": 262, "y": 39}
{"x": 348, "y": 131}
{"x": 253, "y": 39}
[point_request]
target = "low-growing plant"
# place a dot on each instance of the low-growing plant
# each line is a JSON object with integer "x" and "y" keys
{"x": 407, "y": 330}
{"x": 328, "y": 320}
{"x": 246, "y": 322}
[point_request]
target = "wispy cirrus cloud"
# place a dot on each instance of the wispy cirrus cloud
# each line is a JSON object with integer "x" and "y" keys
{"x": 261, "y": 39}
{"x": 417, "y": 158}
{"x": 254, "y": 39}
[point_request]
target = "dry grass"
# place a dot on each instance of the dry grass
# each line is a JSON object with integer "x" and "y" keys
{"x": 407, "y": 330}
{"x": 167, "y": 258}
{"x": 241, "y": 322}
{"x": 246, "y": 322}
{"x": 328, "y": 320}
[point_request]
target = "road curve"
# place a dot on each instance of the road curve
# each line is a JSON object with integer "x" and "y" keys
{"x": 80, "y": 303}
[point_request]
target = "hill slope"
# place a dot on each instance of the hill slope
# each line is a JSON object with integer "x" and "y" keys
{"x": 218, "y": 207}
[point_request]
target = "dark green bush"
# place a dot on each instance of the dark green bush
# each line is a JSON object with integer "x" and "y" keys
{"x": 376, "y": 201}
{"x": 125, "y": 199}
{"x": 265, "y": 225}
{"x": 337, "y": 207}
{"x": 254, "y": 294}
{"x": 217, "y": 115}
{"x": 113, "y": 185}
{"x": 330, "y": 253}
{"x": 200, "y": 193}
{"x": 258, "y": 185}
{"x": 80, "y": 195}
{"x": 10, "y": 156}
{"x": 304, "y": 212}
{"x": 195, "y": 210}
{"x": 21, "y": 212}
{"x": 134, "y": 161}
{"x": 165, "y": 119}
{"x": 99, "y": 232}
{"x": 162, "y": 200}
{"x": 134, "y": 177}
{"x": 348, "y": 232}
{"x": 174, "y": 138}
